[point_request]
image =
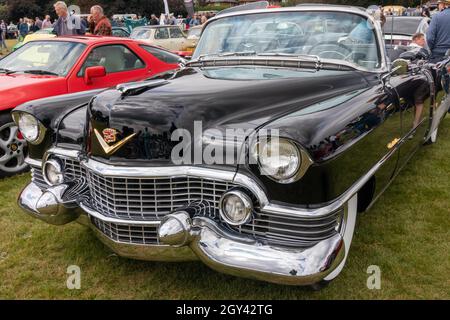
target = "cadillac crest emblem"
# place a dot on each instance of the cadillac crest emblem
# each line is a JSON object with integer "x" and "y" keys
{"x": 109, "y": 135}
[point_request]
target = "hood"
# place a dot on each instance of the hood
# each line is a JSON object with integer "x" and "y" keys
{"x": 18, "y": 88}
{"x": 220, "y": 99}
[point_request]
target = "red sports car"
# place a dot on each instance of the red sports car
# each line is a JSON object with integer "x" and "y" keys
{"x": 56, "y": 66}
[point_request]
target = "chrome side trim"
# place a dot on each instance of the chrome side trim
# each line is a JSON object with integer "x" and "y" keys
{"x": 33, "y": 162}
{"x": 61, "y": 152}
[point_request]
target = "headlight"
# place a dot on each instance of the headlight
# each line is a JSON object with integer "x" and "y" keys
{"x": 282, "y": 160}
{"x": 30, "y": 127}
{"x": 236, "y": 207}
{"x": 53, "y": 172}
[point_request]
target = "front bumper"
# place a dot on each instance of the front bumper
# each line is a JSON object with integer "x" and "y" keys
{"x": 185, "y": 237}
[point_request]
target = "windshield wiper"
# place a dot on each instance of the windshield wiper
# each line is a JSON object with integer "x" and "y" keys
{"x": 43, "y": 72}
{"x": 222, "y": 55}
{"x": 284, "y": 54}
{"x": 6, "y": 71}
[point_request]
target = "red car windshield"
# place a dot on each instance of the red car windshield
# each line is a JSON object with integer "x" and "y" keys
{"x": 43, "y": 57}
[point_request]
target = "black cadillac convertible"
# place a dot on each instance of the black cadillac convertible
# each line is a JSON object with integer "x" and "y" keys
{"x": 254, "y": 158}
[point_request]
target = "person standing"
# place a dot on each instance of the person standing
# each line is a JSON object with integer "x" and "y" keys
{"x": 441, "y": 5}
{"x": 154, "y": 21}
{"x": 47, "y": 23}
{"x": 438, "y": 34}
{"x": 3, "y": 31}
{"x": 66, "y": 25}
{"x": 23, "y": 28}
{"x": 194, "y": 21}
{"x": 100, "y": 24}
{"x": 38, "y": 22}
{"x": 33, "y": 26}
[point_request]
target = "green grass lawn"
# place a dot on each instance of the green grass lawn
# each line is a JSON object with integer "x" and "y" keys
{"x": 406, "y": 234}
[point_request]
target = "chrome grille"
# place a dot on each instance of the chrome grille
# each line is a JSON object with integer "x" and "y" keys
{"x": 125, "y": 233}
{"x": 150, "y": 198}
{"x": 73, "y": 169}
{"x": 38, "y": 178}
{"x": 291, "y": 230}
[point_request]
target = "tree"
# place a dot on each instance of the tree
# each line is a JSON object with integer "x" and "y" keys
{"x": 23, "y": 8}
{"x": 3, "y": 12}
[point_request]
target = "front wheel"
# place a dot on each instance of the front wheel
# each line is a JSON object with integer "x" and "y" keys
{"x": 12, "y": 148}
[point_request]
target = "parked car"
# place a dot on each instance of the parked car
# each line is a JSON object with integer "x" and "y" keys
{"x": 314, "y": 129}
{"x": 169, "y": 37}
{"x": 193, "y": 34}
{"x": 121, "y": 32}
{"x": 56, "y": 66}
{"x": 40, "y": 34}
{"x": 399, "y": 30}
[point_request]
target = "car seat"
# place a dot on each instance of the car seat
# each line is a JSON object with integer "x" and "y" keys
{"x": 113, "y": 59}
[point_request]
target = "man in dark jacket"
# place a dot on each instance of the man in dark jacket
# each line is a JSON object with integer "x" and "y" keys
{"x": 438, "y": 35}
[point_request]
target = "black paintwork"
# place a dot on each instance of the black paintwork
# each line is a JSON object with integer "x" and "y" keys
{"x": 343, "y": 119}
{"x": 55, "y": 110}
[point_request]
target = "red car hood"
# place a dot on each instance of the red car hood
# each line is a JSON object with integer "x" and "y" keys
{"x": 18, "y": 88}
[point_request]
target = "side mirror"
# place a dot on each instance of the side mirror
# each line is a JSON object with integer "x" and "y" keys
{"x": 408, "y": 55}
{"x": 93, "y": 72}
{"x": 400, "y": 67}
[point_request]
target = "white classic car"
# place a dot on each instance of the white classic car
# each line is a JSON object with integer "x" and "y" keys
{"x": 169, "y": 37}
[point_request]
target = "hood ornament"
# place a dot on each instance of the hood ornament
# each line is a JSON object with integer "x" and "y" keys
{"x": 110, "y": 136}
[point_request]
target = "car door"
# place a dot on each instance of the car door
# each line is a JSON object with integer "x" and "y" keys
{"x": 413, "y": 90}
{"x": 177, "y": 39}
{"x": 162, "y": 38}
{"x": 384, "y": 122}
{"x": 121, "y": 64}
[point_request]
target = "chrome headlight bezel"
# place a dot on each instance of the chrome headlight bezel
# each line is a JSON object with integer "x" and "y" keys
{"x": 59, "y": 169}
{"x": 247, "y": 204}
{"x": 304, "y": 161}
{"x": 39, "y": 127}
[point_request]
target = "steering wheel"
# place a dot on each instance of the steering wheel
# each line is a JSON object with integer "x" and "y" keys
{"x": 339, "y": 44}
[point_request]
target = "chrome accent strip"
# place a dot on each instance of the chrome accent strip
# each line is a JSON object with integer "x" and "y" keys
{"x": 126, "y": 88}
{"x": 62, "y": 152}
{"x": 99, "y": 216}
{"x": 33, "y": 162}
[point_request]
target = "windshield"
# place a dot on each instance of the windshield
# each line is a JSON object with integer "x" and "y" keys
{"x": 406, "y": 26}
{"x": 140, "y": 33}
{"x": 332, "y": 35}
{"x": 55, "y": 57}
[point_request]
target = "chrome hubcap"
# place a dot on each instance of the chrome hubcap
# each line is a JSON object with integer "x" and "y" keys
{"x": 12, "y": 147}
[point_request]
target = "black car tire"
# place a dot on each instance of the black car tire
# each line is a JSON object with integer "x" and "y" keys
{"x": 12, "y": 148}
{"x": 319, "y": 285}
